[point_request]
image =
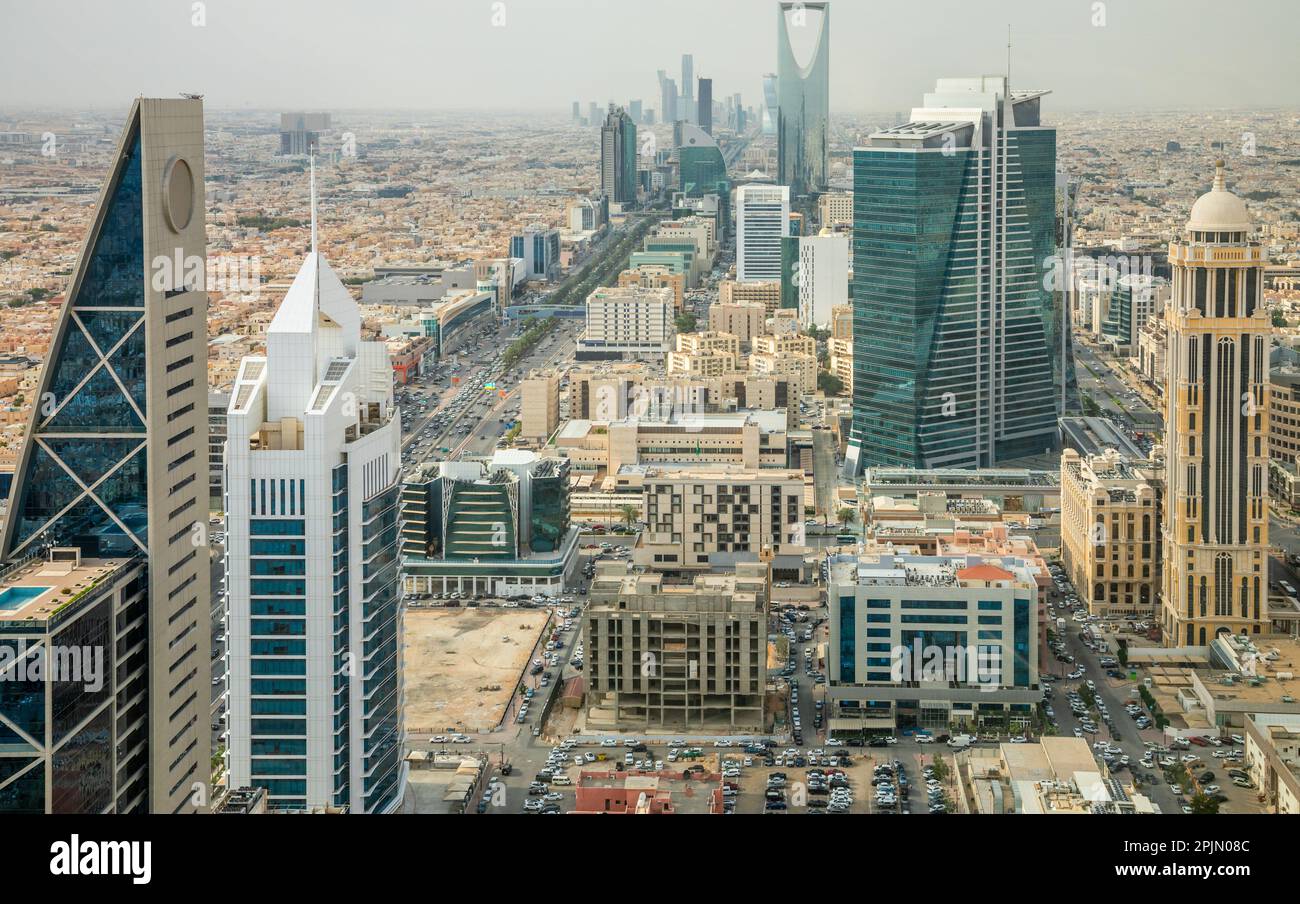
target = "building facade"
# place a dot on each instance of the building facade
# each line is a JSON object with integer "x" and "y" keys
{"x": 665, "y": 656}
{"x": 116, "y": 461}
{"x": 954, "y": 348}
{"x": 931, "y": 641}
{"x": 312, "y": 565}
{"x": 803, "y": 88}
{"x": 1110, "y": 533}
{"x": 1216, "y": 441}
{"x": 762, "y": 215}
{"x": 696, "y": 518}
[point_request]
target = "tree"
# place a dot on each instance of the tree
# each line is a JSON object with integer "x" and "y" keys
{"x": 630, "y": 515}
{"x": 1278, "y": 319}
{"x": 847, "y": 516}
{"x": 684, "y": 322}
{"x": 829, "y": 384}
{"x": 1203, "y": 803}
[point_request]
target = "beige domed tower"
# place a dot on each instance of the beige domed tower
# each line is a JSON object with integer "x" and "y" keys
{"x": 1216, "y": 421}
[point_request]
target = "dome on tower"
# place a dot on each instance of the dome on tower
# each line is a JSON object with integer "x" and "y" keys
{"x": 1219, "y": 210}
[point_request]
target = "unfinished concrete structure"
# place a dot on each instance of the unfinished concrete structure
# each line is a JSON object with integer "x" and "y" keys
{"x": 690, "y": 656}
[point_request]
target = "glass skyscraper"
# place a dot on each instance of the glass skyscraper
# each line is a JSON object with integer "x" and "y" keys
{"x": 618, "y": 152}
{"x": 803, "y": 90}
{"x": 954, "y": 222}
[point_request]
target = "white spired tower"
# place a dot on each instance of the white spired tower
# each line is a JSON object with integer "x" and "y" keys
{"x": 315, "y": 607}
{"x": 1216, "y": 411}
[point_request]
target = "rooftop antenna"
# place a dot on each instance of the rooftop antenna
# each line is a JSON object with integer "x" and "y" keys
{"x": 1008, "y": 59}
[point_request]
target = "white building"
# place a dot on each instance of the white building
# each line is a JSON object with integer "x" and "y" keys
{"x": 315, "y": 604}
{"x": 823, "y": 277}
{"x": 762, "y": 218}
{"x": 931, "y": 640}
{"x": 630, "y": 322}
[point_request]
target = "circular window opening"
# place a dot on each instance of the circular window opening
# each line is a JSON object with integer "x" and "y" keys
{"x": 178, "y": 189}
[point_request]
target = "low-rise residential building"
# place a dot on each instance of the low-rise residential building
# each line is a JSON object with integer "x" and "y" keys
{"x": 767, "y": 294}
{"x": 1052, "y": 775}
{"x": 749, "y": 439}
{"x": 744, "y": 321}
{"x": 1273, "y": 759}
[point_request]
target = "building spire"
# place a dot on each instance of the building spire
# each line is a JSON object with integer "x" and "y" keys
{"x": 312, "y": 160}
{"x": 1219, "y": 183}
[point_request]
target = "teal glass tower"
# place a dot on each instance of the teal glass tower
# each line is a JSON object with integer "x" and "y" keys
{"x": 954, "y": 224}
{"x": 803, "y": 94}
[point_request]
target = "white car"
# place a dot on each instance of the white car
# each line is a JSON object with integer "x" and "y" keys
{"x": 834, "y": 742}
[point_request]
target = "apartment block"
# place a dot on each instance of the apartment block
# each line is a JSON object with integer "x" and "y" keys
{"x": 655, "y": 276}
{"x": 744, "y": 321}
{"x": 539, "y": 405}
{"x": 766, "y": 293}
{"x": 629, "y": 322}
{"x": 698, "y": 519}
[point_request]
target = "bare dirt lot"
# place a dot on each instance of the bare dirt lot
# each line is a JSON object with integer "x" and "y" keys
{"x": 462, "y": 665}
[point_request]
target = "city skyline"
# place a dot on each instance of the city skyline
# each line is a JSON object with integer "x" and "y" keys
{"x": 1094, "y": 55}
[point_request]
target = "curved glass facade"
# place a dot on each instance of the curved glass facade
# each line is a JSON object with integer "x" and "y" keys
{"x": 803, "y": 107}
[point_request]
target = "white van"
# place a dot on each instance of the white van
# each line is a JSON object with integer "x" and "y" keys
{"x": 960, "y": 742}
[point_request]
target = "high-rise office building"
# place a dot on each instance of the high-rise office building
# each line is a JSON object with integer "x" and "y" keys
{"x": 618, "y": 156}
{"x": 577, "y": 112}
{"x": 770, "y": 104}
{"x": 539, "y": 248}
{"x": 593, "y": 114}
{"x": 762, "y": 216}
{"x": 1215, "y": 577}
{"x": 688, "y": 74}
{"x": 704, "y": 117}
{"x": 803, "y": 85}
{"x": 312, "y": 565}
{"x": 300, "y": 133}
{"x": 667, "y": 98}
{"x": 634, "y": 110}
{"x": 953, "y": 219}
{"x": 112, "y": 488}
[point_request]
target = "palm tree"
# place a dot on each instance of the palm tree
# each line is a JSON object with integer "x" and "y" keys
{"x": 847, "y": 516}
{"x": 629, "y": 514}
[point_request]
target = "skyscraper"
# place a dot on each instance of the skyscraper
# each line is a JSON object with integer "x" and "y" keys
{"x": 577, "y": 112}
{"x": 667, "y": 98}
{"x": 114, "y": 472}
{"x": 634, "y": 110}
{"x": 618, "y": 156}
{"x": 803, "y": 85}
{"x": 688, "y": 74}
{"x": 704, "y": 117}
{"x": 770, "y": 104}
{"x": 953, "y": 223}
{"x": 1215, "y": 576}
{"x": 312, "y": 565}
{"x": 762, "y": 218}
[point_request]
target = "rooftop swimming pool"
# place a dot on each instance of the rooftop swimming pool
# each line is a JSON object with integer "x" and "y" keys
{"x": 12, "y": 598}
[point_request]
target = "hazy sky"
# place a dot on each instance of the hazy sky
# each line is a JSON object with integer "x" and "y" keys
{"x": 446, "y": 54}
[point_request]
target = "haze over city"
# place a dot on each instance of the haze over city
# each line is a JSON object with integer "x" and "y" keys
{"x": 532, "y": 54}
